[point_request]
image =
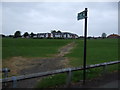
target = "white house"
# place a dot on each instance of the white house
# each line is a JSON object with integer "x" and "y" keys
{"x": 43, "y": 35}
{"x": 56, "y": 35}
{"x": 69, "y": 35}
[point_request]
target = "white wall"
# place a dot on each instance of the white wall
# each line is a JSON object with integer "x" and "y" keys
{"x": 57, "y": 35}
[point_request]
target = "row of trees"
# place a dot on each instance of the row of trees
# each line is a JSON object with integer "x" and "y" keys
{"x": 26, "y": 34}
{"x": 54, "y": 31}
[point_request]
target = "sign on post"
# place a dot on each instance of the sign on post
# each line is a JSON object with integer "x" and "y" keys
{"x": 83, "y": 15}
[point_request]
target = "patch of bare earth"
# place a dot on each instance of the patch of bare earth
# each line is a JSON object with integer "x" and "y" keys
{"x": 21, "y": 65}
{"x": 16, "y": 64}
{"x": 66, "y": 49}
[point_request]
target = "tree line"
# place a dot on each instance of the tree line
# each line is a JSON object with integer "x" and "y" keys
{"x": 26, "y": 34}
{"x": 18, "y": 34}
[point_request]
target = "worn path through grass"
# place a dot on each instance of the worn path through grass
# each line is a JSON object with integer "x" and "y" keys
{"x": 34, "y": 65}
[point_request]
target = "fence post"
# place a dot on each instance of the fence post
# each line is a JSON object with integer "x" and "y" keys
{"x": 14, "y": 82}
{"x": 104, "y": 69}
{"x": 5, "y": 70}
{"x": 68, "y": 81}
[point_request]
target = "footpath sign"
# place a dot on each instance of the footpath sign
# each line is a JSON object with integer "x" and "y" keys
{"x": 83, "y": 15}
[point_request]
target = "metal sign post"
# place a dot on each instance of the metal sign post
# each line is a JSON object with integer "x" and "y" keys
{"x": 85, "y": 43}
{"x": 83, "y": 15}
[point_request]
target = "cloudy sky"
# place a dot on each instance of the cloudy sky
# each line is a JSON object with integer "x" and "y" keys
{"x": 46, "y": 16}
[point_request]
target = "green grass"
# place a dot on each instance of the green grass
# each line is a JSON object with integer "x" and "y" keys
{"x": 98, "y": 51}
{"x": 31, "y": 47}
{"x": 51, "y": 81}
{"x": 60, "y": 79}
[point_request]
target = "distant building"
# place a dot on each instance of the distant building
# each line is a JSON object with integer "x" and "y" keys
{"x": 57, "y": 35}
{"x": 43, "y": 35}
{"x": 69, "y": 35}
{"x": 113, "y": 36}
{"x": 64, "y": 35}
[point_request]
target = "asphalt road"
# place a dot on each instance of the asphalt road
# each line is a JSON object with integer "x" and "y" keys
{"x": 109, "y": 80}
{"x": 112, "y": 84}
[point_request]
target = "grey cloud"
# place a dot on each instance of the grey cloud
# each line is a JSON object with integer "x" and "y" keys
{"x": 43, "y": 17}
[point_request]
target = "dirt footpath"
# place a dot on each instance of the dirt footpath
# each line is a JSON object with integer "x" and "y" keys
{"x": 47, "y": 64}
{"x": 22, "y": 65}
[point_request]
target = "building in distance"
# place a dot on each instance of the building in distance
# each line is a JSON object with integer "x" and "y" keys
{"x": 113, "y": 36}
{"x": 64, "y": 35}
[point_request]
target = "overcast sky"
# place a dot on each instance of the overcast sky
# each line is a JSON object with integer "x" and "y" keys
{"x": 42, "y": 17}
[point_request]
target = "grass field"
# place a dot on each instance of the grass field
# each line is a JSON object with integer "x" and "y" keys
{"x": 98, "y": 51}
{"x": 31, "y": 47}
